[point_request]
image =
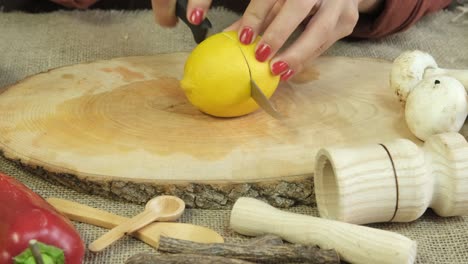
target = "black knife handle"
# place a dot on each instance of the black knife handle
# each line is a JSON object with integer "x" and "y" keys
{"x": 199, "y": 31}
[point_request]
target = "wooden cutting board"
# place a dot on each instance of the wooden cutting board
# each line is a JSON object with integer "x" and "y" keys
{"x": 123, "y": 128}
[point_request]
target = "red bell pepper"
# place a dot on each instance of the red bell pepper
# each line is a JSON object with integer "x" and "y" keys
{"x": 26, "y": 216}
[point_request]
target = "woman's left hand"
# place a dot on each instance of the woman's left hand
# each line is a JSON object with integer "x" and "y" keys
{"x": 276, "y": 20}
{"x": 80, "y": 4}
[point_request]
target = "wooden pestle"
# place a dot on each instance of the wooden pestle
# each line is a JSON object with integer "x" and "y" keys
{"x": 354, "y": 243}
{"x": 393, "y": 182}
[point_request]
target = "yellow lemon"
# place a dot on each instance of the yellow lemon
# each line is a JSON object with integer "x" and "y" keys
{"x": 216, "y": 76}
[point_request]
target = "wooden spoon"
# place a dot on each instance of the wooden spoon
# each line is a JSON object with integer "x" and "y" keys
{"x": 149, "y": 234}
{"x": 162, "y": 208}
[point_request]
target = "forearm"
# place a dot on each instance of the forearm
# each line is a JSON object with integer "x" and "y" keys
{"x": 370, "y": 6}
{"x": 393, "y": 16}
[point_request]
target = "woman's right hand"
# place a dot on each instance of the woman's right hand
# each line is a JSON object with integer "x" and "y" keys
{"x": 164, "y": 11}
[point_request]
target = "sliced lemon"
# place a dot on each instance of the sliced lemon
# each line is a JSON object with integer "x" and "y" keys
{"x": 216, "y": 76}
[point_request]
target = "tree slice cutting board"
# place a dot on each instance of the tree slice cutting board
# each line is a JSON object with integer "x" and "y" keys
{"x": 124, "y": 128}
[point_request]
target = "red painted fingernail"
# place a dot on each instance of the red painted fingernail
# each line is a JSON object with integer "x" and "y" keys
{"x": 287, "y": 75}
{"x": 246, "y": 35}
{"x": 279, "y": 67}
{"x": 197, "y": 16}
{"x": 262, "y": 53}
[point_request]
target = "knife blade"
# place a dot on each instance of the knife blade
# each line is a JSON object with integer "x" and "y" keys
{"x": 199, "y": 32}
{"x": 260, "y": 98}
{"x": 257, "y": 94}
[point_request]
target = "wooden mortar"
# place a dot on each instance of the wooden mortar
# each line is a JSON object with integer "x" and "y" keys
{"x": 393, "y": 182}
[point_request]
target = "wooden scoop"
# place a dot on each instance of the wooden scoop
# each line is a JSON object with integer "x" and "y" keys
{"x": 149, "y": 234}
{"x": 163, "y": 208}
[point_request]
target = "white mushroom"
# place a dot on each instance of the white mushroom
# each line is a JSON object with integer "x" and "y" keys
{"x": 408, "y": 70}
{"x": 411, "y": 67}
{"x": 436, "y": 105}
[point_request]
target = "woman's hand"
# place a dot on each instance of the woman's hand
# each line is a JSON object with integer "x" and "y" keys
{"x": 164, "y": 11}
{"x": 80, "y": 4}
{"x": 276, "y": 20}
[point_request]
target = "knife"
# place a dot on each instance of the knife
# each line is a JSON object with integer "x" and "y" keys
{"x": 199, "y": 32}
{"x": 258, "y": 96}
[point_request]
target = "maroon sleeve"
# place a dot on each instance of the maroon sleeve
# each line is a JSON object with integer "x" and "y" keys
{"x": 396, "y": 16}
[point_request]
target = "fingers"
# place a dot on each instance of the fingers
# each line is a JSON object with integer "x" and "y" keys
{"x": 196, "y": 10}
{"x": 276, "y": 20}
{"x": 271, "y": 15}
{"x": 253, "y": 19}
{"x": 326, "y": 27}
{"x": 282, "y": 26}
{"x": 313, "y": 41}
{"x": 298, "y": 66}
{"x": 164, "y": 12}
{"x": 233, "y": 26}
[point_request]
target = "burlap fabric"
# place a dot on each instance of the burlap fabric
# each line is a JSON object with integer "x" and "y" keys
{"x": 33, "y": 43}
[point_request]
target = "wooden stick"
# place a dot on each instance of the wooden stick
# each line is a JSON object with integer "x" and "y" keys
{"x": 152, "y": 258}
{"x": 263, "y": 250}
{"x": 265, "y": 240}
